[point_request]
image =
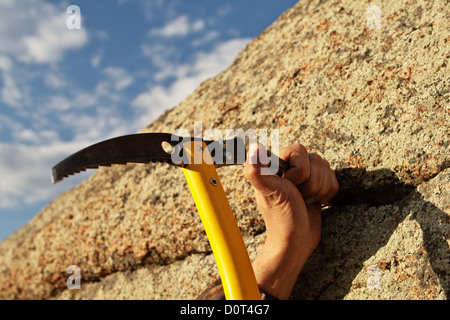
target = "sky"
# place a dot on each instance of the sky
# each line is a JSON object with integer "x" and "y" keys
{"x": 69, "y": 80}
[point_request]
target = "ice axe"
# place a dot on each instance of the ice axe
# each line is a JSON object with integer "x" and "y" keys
{"x": 198, "y": 159}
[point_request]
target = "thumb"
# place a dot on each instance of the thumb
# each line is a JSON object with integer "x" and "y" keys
{"x": 256, "y": 160}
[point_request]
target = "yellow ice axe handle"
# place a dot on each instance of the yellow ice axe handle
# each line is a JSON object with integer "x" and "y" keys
{"x": 233, "y": 262}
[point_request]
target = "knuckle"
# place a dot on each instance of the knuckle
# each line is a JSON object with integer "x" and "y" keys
{"x": 300, "y": 176}
{"x": 315, "y": 187}
{"x": 304, "y": 176}
{"x": 250, "y": 173}
{"x": 315, "y": 159}
{"x": 300, "y": 149}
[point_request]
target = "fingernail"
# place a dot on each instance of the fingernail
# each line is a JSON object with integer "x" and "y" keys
{"x": 263, "y": 158}
{"x": 253, "y": 153}
{"x": 256, "y": 151}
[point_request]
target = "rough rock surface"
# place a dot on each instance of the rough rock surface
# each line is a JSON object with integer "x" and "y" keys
{"x": 374, "y": 102}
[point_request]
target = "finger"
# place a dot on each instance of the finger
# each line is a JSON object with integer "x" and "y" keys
{"x": 333, "y": 188}
{"x": 326, "y": 183}
{"x": 298, "y": 159}
{"x": 328, "y": 188}
{"x": 313, "y": 185}
{"x": 256, "y": 160}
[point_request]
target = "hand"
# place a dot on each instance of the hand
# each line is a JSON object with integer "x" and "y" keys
{"x": 291, "y": 208}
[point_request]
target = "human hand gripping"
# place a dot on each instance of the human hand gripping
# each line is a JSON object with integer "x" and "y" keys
{"x": 291, "y": 207}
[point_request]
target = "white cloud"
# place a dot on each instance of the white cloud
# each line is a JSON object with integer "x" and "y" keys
{"x": 180, "y": 26}
{"x": 119, "y": 77}
{"x": 26, "y": 163}
{"x": 77, "y": 100}
{"x": 157, "y": 99}
{"x": 188, "y": 76}
{"x": 85, "y": 99}
{"x": 51, "y": 41}
{"x": 101, "y": 34}
{"x": 96, "y": 59}
{"x": 10, "y": 93}
{"x": 209, "y": 64}
{"x": 9, "y": 124}
{"x": 59, "y": 103}
{"x": 54, "y": 80}
{"x": 158, "y": 53}
{"x": 36, "y": 31}
{"x": 5, "y": 63}
{"x": 105, "y": 123}
{"x": 177, "y": 27}
{"x": 198, "y": 25}
{"x": 224, "y": 10}
{"x": 204, "y": 64}
{"x": 209, "y": 36}
{"x": 26, "y": 171}
{"x": 33, "y": 32}
{"x": 35, "y": 137}
{"x": 154, "y": 8}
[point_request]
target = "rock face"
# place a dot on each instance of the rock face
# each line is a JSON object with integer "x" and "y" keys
{"x": 374, "y": 102}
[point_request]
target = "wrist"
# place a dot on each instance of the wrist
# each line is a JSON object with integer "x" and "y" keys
{"x": 277, "y": 269}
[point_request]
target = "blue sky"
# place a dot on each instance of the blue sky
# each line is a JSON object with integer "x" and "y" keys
{"x": 62, "y": 90}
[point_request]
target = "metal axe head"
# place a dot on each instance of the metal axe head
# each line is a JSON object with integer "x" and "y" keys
{"x": 146, "y": 148}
